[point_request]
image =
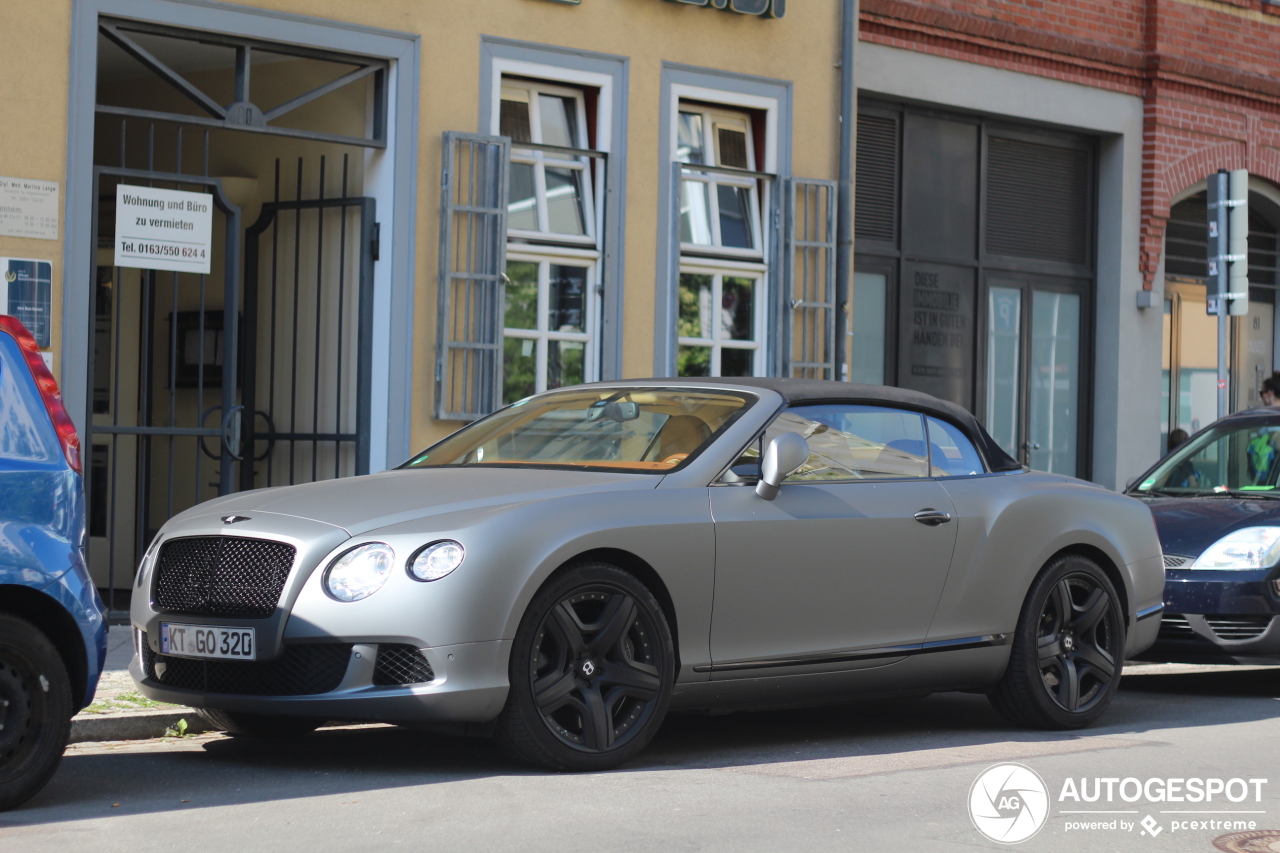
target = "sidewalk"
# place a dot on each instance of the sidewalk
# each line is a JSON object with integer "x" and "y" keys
{"x": 118, "y": 710}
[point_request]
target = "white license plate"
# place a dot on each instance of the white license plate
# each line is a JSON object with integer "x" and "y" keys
{"x": 207, "y": 641}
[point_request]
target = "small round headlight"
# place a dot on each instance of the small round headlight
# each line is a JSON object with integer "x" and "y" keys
{"x": 359, "y": 572}
{"x": 434, "y": 561}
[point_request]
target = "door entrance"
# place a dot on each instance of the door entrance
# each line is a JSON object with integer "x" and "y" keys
{"x": 1033, "y": 365}
{"x": 257, "y": 374}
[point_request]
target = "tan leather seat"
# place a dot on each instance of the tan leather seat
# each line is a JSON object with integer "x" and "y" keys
{"x": 681, "y": 434}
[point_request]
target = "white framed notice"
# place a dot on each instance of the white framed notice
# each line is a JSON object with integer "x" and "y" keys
{"x": 163, "y": 229}
{"x": 28, "y": 208}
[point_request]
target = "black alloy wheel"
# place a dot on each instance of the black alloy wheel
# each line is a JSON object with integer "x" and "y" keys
{"x": 35, "y": 710}
{"x": 1068, "y": 649}
{"x": 591, "y": 672}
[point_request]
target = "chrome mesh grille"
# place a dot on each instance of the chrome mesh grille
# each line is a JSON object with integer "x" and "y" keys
{"x": 1173, "y": 561}
{"x": 399, "y": 664}
{"x": 303, "y": 669}
{"x": 222, "y": 576}
{"x": 1238, "y": 627}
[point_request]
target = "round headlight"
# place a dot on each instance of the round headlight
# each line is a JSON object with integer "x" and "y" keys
{"x": 1247, "y": 548}
{"x": 359, "y": 572}
{"x": 434, "y": 561}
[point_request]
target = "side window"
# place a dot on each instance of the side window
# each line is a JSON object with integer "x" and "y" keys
{"x": 25, "y": 431}
{"x": 848, "y": 442}
{"x": 953, "y": 455}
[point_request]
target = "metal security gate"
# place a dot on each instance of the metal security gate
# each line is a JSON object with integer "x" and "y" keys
{"x": 308, "y": 323}
{"x": 163, "y": 433}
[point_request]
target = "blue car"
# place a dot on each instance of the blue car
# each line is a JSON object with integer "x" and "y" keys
{"x": 1216, "y": 503}
{"x": 53, "y": 633}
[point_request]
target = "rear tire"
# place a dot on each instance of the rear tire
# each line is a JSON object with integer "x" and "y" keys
{"x": 239, "y": 724}
{"x": 35, "y": 710}
{"x": 1068, "y": 648}
{"x": 591, "y": 672}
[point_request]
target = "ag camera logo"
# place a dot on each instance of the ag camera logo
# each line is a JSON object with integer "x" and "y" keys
{"x": 1008, "y": 803}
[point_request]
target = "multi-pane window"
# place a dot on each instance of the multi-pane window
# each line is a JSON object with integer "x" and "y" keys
{"x": 550, "y": 191}
{"x": 550, "y": 324}
{"x": 549, "y": 312}
{"x": 721, "y": 299}
{"x": 718, "y": 210}
{"x": 719, "y": 323}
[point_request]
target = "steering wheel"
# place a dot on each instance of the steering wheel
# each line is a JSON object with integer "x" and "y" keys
{"x": 675, "y": 458}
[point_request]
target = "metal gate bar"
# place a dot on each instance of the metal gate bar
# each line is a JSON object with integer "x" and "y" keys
{"x": 349, "y": 436}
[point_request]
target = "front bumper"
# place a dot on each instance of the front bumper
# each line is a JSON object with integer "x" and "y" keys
{"x": 468, "y": 685}
{"x": 1221, "y": 617}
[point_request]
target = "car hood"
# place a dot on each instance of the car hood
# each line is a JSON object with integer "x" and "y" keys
{"x": 361, "y": 504}
{"x": 1188, "y": 526}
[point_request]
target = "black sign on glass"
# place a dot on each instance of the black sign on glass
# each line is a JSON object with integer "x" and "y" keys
{"x": 936, "y": 338}
{"x": 28, "y": 289}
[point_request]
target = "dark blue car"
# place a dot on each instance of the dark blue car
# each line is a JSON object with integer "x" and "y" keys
{"x": 1216, "y": 503}
{"x": 53, "y": 634}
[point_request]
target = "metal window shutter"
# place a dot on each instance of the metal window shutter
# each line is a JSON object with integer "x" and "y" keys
{"x": 473, "y": 260}
{"x": 876, "y": 213}
{"x": 1037, "y": 201}
{"x": 807, "y": 338}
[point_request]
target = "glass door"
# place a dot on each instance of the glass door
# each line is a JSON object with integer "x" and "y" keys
{"x": 1033, "y": 390}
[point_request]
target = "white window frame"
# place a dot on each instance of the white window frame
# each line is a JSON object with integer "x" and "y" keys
{"x": 716, "y": 260}
{"x": 547, "y": 247}
{"x": 541, "y": 160}
{"x": 714, "y": 116}
{"x": 719, "y": 271}
{"x": 542, "y": 335}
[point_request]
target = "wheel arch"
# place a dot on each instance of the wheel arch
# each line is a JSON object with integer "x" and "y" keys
{"x": 1108, "y": 566}
{"x": 58, "y": 625}
{"x": 641, "y": 570}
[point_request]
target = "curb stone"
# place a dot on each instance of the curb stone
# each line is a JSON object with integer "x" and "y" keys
{"x": 140, "y": 725}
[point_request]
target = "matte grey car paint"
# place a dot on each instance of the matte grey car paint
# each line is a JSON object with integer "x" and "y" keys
{"x": 831, "y": 608}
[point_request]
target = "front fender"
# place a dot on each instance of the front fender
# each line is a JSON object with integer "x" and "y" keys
{"x": 511, "y": 552}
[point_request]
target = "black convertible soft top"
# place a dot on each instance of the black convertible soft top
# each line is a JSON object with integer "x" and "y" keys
{"x": 801, "y": 391}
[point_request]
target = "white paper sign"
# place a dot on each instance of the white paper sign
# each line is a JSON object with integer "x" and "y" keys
{"x": 163, "y": 229}
{"x": 28, "y": 208}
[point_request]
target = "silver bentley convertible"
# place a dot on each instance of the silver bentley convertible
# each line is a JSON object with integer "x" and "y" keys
{"x": 563, "y": 572}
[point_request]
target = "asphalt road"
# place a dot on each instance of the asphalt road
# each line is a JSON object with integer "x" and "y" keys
{"x": 872, "y": 777}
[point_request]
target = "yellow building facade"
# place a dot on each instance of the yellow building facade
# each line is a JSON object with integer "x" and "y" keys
{"x": 422, "y": 210}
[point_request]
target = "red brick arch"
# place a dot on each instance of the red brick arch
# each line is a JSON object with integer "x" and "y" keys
{"x": 1262, "y": 161}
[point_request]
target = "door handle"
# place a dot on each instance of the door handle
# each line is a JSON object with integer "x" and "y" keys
{"x": 932, "y": 517}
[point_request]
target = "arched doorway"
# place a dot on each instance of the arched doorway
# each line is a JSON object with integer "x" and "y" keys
{"x": 1190, "y": 343}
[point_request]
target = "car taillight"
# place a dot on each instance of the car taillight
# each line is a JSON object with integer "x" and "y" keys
{"x": 49, "y": 392}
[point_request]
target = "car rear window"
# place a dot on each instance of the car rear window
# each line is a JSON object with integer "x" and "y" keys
{"x": 25, "y": 431}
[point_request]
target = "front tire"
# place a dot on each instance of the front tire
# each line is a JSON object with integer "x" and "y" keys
{"x": 239, "y": 724}
{"x": 591, "y": 672}
{"x": 1068, "y": 648}
{"x": 35, "y": 710}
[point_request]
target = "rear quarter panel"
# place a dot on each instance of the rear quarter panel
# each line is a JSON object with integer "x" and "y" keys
{"x": 1010, "y": 526}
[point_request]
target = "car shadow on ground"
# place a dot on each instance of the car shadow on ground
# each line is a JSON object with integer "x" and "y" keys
{"x": 114, "y": 780}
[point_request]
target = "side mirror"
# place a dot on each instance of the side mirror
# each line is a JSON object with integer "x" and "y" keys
{"x": 782, "y": 458}
{"x": 1129, "y": 484}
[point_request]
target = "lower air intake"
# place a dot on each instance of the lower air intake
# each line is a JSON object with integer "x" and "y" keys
{"x": 399, "y": 664}
{"x": 303, "y": 669}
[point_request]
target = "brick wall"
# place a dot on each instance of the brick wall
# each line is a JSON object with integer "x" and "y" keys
{"x": 1207, "y": 70}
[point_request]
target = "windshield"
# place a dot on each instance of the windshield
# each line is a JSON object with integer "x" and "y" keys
{"x": 1222, "y": 460}
{"x": 642, "y": 430}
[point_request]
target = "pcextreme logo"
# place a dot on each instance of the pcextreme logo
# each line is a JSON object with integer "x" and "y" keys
{"x": 1008, "y": 803}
